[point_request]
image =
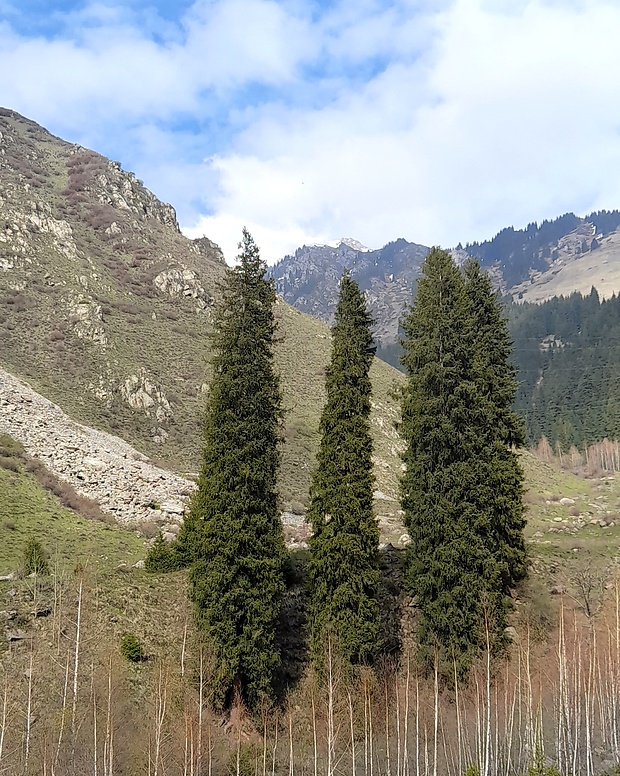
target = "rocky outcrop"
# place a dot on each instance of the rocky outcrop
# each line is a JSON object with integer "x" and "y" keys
{"x": 123, "y": 191}
{"x": 85, "y": 315}
{"x": 310, "y": 280}
{"x": 140, "y": 392}
{"x": 182, "y": 282}
{"x": 97, "y": 465}
{"x": 21, "y": 229}
{"x": 206, "y": 247}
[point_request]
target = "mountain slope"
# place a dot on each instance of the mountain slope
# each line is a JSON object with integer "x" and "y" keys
{"x": 105, "y": 309}
{"x": 532, "y": 264}
{"x": 574, "y": 270}
{"x": 567, "y": 351}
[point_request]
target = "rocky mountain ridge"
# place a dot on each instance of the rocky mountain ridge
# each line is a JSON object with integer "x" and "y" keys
{"x": 309, "y": 280}
{"x": 531, "y": 264}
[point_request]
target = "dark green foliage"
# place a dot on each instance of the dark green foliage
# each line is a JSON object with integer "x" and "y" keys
{"x": 35, "y": 558}
{"x": 131, "y": 648}
{"x": 233, "y": 536}
{"x": 343, "y": 570}
{"x": 501, "y": 486}
{"x": 567, "y": 351}
{"x": 162, "y": 557}
{"x": 539, "y": 766}
{"x": 462, "y": 486}
{"x": 243, "y": 761}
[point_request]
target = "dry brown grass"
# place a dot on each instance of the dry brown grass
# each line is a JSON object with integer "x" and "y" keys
{"x": 66, "y": 494}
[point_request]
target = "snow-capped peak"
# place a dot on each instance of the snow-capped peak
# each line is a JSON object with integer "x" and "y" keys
{"x": 349, "y": 242}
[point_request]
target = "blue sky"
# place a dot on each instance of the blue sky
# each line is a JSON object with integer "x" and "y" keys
{"x": 307, "y": 121}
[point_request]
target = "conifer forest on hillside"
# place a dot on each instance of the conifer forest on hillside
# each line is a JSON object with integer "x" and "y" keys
{"x": 567, "y": 352}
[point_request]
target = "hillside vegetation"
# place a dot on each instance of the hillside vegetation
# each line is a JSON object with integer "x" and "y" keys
{"x": 28, "y": 511}
{"x": 149, "y": 711}
{"x": 567, "y": 353}
{"x": 105, "y": 308}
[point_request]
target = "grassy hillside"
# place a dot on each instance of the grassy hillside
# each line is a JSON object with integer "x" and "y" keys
{"x": 573, "y": 522}
{"x": 149, "y": 711}
{"x": 105, "y": 308}
{"x": 28, "y": 511}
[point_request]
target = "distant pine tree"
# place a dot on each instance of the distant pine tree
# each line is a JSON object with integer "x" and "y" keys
{"x": 453, "y": 569}
{"x": 233, "y": 535}
{"x": 343, "y": 571}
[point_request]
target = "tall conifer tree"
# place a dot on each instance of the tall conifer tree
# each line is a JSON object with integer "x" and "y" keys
{"x": 452, "y": 570}
{"x": 233, "y": 535}
{"x": 343, "y": 571}
{"x": 502, "y": 496}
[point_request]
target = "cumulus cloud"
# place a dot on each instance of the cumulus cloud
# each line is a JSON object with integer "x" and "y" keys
{"x": 508, "y": 116}
{"x": 101, "y": 59}
{"x": 435, "y": 121}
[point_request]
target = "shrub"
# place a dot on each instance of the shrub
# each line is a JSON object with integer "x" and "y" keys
{"x": 162, "y": 557}
{"x": 9, "y": 464}
{"x": 65, "y": 493}
{"x": 131, "y": 648}
{"x": 243, "y": 762}
{"x": 35, "y": 558}
{"x": 148, "y": 529}
{"x": 539, "y": 768}
{"x": 297, "y": 508}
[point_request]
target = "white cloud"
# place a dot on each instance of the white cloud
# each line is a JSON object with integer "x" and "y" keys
{"x": 509, "y": 117}
{"x": 101, "y": 61}
{"x": 434, "y": 121}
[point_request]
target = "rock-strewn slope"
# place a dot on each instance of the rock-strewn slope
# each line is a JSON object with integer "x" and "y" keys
{"x": 98, "y": 465}
{"x": 106, "y": 309}
{"x": 118, "y": 477}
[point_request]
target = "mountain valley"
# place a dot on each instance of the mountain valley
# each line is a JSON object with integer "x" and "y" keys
{"x": 106, "y": 311}
{"x": 569, "y": 254}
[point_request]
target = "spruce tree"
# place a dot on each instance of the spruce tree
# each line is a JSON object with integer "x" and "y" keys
{"x": 452, "y": 570}
{"x": 502, "y": 497}
{"x": 343, "y": 570}
{"x": 233, "y": 535}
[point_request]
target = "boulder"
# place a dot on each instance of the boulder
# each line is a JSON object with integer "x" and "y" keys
{"x": 172, "y": 507}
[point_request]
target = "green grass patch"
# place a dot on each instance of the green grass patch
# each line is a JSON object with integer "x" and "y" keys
{"x": 27, "y": 512}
